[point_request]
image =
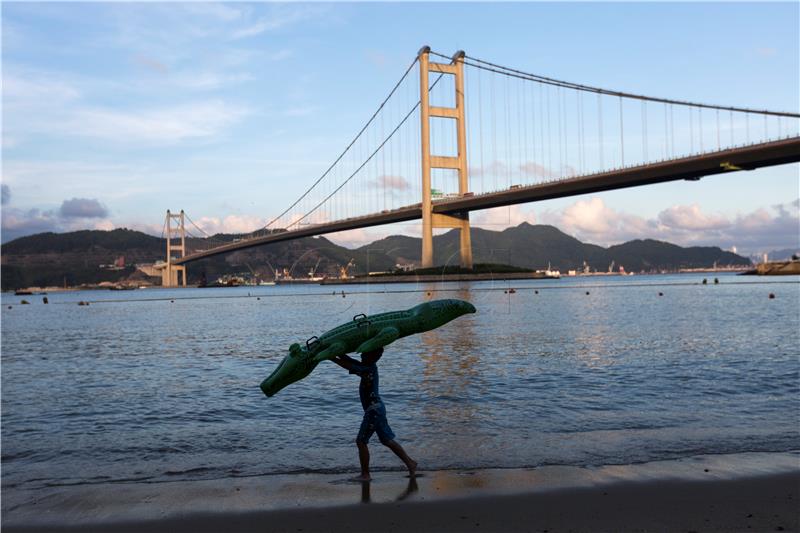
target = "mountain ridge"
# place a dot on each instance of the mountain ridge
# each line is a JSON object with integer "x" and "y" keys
{"x": 74, "y": 258}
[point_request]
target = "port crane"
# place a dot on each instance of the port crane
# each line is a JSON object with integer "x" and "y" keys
{"x": 343, "y": 270}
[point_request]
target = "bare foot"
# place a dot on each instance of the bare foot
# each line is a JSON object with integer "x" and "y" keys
{"x": 412, "y": 468}
{"x": 362, "y": 477}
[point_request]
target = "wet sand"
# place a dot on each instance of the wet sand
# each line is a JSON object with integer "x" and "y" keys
{"x": 745, "y": 492}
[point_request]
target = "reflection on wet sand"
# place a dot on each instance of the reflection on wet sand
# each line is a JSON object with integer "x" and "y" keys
{"x": 411, "y": 488}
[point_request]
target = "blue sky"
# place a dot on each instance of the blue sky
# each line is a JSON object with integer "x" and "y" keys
{"x": 113, "y": 113}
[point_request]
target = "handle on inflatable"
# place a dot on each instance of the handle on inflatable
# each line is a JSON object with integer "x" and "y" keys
{"x": 311, "y": 341}
{"x": 361, "y": 320}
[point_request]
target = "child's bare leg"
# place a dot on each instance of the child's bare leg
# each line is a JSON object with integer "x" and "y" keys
{"x": 398, "y": 450}
{"x": 363, "y": 458}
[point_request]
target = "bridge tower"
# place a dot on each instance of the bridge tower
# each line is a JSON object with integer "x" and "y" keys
{"x": 169, "y": 275}
{"x": 430, "y": 219}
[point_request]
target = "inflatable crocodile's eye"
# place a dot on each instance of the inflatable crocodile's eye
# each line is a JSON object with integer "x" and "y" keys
{"x": 294, "y": 350}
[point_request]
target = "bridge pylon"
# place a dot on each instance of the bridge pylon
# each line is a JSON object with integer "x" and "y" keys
{"x": 169, "y": 274}
{"x": 430, "y": 219}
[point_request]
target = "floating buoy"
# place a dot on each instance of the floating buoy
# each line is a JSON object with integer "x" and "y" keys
{"x": 772, "y": 296}
{"x": 705, "y": 281}
{"x": 716, "y": 281}
{"x": 172, "y": 301}
{"x": 9, "y": 307}
{"x": 535, "y": 292}
{"x": 587, "y": 293}
{"x": 44, "y": 300}
{"x": 258, "y": 298}
{"x": 661, "y": 294}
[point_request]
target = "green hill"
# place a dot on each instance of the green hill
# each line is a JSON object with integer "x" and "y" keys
{"x": 74, "y": 258}
{"x": 56, "y": 259}
{"x": 537, "y": 246}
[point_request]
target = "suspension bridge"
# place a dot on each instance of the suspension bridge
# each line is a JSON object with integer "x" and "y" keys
{"x": 530, "y": 138}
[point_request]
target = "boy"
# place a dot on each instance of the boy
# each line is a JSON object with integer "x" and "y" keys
{"x": 374, "y": 412}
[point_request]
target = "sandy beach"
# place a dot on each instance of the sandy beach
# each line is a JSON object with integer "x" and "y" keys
{"x": 743, "y": 492}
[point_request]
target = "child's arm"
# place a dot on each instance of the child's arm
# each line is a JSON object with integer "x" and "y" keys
{"x": 345, "y": 362}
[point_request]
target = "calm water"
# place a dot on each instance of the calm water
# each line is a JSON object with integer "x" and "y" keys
{"x": 131, "y": 389}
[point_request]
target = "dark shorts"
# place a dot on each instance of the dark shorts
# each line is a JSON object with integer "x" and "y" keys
{"x": 375, "y": 422}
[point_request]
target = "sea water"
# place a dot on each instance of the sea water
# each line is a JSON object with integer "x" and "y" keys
{"x": 162, "y": 384}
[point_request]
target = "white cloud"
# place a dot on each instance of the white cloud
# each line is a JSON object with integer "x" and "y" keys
{"x": 82, "y": 208}
{"x": 168, "y": 124}
{"x": 47, "y": 182}
{"x": 279, "y": 17}
{"x": 690, "y": 217}
{"x": 592, "y": 220}
{"x": 222, "y": 12}
{"x": 500, "y": 218}
{"x": 38, "y": 103}
{"x": 228, "y": 224}
{"x": 36, "y": 88}
{"x": 20, "y": 222}
{"x": 299, "y": 111}
{"x": 390, "y": 183}
{"x": 208, "y": 79}
{"x": 760, "y": 230}
{"x": 355, "y": 237}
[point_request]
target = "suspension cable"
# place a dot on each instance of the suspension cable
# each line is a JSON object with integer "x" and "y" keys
{"x": 372, "y": 155}
{"x": 358, "y": 135}
{"x": 486, "y": 65}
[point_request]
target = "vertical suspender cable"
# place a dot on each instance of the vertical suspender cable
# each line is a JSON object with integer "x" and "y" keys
{"x": 549, "y": 137}
{"x": 523, "y": 114}
{"x": 493, "y": 113}
{"x": 480, "y": 128}
{"x": 579, "y": 98}
{"x": 522, "y": 146}
{"x": 382, "y": 180}
{"x": 700, "y": 126}
{"x": 536, "y": 139}
{"x": 666, "y": 133}
{"x": 621, "y": 134}
{"x": 747, "y": 126}
{"x": 507, "y": 129}
{"x": 560, "y": 136}
{"x": 541, "y": 131}
{"x": 600, "y": 128}
{"x": 523, "y": 122}
{"x": 644, "y": 131}
{"x": 671, "y": 131}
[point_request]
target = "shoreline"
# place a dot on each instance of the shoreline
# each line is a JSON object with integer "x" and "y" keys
{"x": 712, "y": 492}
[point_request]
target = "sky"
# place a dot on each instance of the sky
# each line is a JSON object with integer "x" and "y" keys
{"x": 113, "y": 113}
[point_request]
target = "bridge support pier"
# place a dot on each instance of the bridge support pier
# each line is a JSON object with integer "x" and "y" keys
{"x": 431, "y": 220}
{"x": 169, "y": 274}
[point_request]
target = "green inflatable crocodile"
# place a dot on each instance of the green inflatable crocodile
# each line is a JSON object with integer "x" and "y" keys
{"x": 363, "y": 334}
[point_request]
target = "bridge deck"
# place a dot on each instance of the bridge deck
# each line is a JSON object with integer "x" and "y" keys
{"x": 689, "y": 168}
